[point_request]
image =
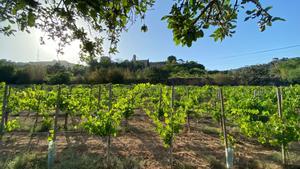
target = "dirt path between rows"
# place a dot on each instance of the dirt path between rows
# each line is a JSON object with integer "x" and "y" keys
{"x": 200, "y": 148}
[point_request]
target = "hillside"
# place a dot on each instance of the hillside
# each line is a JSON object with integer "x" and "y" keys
{"x": 277, "y": 72}
{"x": 46, "y": 63}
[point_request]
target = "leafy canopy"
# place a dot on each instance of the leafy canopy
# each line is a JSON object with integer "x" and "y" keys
{"x": 67, "y": 20}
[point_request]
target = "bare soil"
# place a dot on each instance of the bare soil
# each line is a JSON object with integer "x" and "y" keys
{"x": 201, "y": 148}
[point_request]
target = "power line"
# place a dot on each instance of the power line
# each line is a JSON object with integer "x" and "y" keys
{"x": 261, "y": 51}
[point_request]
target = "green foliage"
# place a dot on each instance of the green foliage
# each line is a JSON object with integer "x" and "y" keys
{"x": 12, "y": 125}
{"x": 2, "y": 90}
{"x": 252, "y": 109}
{"x": 51, "y": 135}
{"x": 172, "y": 59}
{"x": 106, "y": 122}
{"x": 230, "y": 138}
{"x": 102, "y": 124}
{"x": 126, "y": 105}
{"x": 173, "y": 118}
{"x": 155, "y": 74}
{"x": 257, "y": 114}
{"x": 199, "y": 101}
{"x": 287, "y": 69}
{"x": 46, "y": 124}
{"x": 60, "y": 20}
{"x": 278, "y": 72}
{"x": 188, "y": 20}
{"x": 60, "y": 78}
{"x": 26, "y": 161}
{"x": 7, "y": 71}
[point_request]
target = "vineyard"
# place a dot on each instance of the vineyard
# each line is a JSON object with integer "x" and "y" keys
{"x": 267, "y": 117}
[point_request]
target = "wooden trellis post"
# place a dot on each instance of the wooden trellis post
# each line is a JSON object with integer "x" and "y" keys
{"x": 110, "y": 97}
{"x": 55, "y": 128}
{"x": 188, "y": 113}
{"x": 37, "y": 112}
{"x": 160, "y": 97}
{"x": 223, "y": 118}
{"x": 67, "y": 113}
{"x": 109, "y": 109}
{"x": 279, "y": 106}
{"x": 4, "y": 105}
{"x": 99, "y": 98}
{"x": 7, "y": 102}
{"x": 172, "y": 127}
{"x": 223, "y": 123}
{"x": 51, "y": 143}
{"x": 90, "y": 98}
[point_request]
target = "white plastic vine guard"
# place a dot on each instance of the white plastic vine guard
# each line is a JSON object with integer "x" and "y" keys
{"x": 51, "y": 154}
{"x": 229, "y": 157}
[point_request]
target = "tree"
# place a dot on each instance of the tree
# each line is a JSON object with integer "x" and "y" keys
{"x": 68, "y": 20}
{"x": 197, "y": 71}
{"x": 22, "y": 77}
{"x": 115, "y": 76}
{"x": 155, "y": 74}
{"x": 171, "y": 59}
{"x": 189, "y": 19}
{"x": 222, "y": 79}
{"x": 56, "y": 68}
{"x": 60, "y": 78}
{"x": 287, "y": 69}
{"x": 36, "y": 73}
{"x": 7, "y": 71}
{"x": 78, "y": 70}
{"x": 105, "y": 61}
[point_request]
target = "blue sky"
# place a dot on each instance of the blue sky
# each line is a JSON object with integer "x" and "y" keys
{"x": 157, "y": 44}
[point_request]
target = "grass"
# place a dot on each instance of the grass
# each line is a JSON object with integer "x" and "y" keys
{"x": 214, "y": 163}
{"x": 24, "y": 161}
{"x": 210, "y": 130}
{"x": 180, "y": 165}
{"x": 68, "y": 159}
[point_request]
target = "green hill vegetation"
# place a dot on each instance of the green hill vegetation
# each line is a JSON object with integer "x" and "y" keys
{"x": 277, "y": 72}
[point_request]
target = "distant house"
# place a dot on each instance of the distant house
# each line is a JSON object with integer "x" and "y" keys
{"x": 147, "y": 63}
